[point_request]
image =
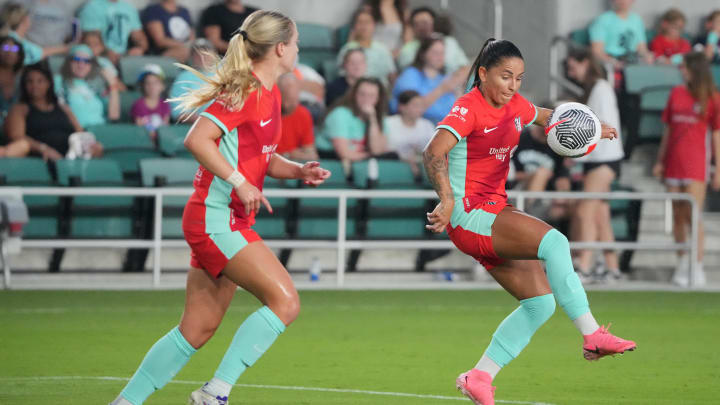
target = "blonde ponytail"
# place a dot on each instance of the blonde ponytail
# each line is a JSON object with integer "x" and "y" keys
{"x": 231, "y": 80}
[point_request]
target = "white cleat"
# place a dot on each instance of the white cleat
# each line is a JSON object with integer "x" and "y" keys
{"x": 200, "y": 397}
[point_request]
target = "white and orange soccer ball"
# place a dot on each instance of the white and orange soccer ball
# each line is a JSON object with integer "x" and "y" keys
{"x": 573, "y": 130}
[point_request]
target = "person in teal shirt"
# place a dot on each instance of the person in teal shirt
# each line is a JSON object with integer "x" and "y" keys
{"x": 187, "y": 81}
{"x": 618, "y": 36}
{"x": 119, "y": 23}
{"x": 16, "y": 23}
{"x": 354, "y": 129}
{"x": 74, "y": 87}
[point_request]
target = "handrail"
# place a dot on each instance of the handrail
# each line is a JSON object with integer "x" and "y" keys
{"x": 556, "y": 79}
{"x": 341, "y": 244}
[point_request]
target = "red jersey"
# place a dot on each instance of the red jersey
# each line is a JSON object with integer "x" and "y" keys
{"x": 487, "y": 137}
{"x": 686, "y": 155}
{"x": 250, "y": 137}
{"x": 664, "y": 46}
{"x": 297, "y": 130}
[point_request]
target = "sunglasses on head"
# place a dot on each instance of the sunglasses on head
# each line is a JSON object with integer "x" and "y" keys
{"x": 81, "y": 59}
{"x": 10, "y": 48}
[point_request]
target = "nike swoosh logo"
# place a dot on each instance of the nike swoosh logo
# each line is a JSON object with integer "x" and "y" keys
{"x": 263, "y": 123}
{"x": 489, "y": 130}
{"x": 548, "y": 129}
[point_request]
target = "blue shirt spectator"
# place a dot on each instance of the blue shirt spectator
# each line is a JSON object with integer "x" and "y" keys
{"x": 619, "y": 34}
{"x": 119, "y": 22}
{"x": 16, "y": 23}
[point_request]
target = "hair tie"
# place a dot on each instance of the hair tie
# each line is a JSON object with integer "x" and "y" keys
{"x": 244, "y": 34}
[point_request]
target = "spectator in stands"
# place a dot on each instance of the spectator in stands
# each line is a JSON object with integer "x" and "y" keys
{"x": 151, "y": 111}
{"x": 355, "y": 128}
{"x": 75, "y": 85}
{"x": 427, "y": 76}
{"x": 220, "y": 21}
{"x": 51, "y": 23}
{"x": 711, "y": 40}
{"x": 298, "y": 139}
{"x": 682, "y": 160}
{"x": 169, "y": 29}
{"x": 380, "y": 63}
{"x": 312, "y": 90}
{"x": 601, "y": 167}
{"x": 40, "y": 119}
{"x": 407, "y": 131}
{"x": 354, "y": 67}
{"x": 669, "y": 46}
{"x": 125, "y": 38}
{"x": 538, "y": 168}
{"x": 422, "y": 21}
{"x": 11, "y": 62}
{"x": 201, "y": 59}
{"x": 390, "y": 16}
{"x": 93, "y": 39}
{"x": 15, "y": 149}
{"x": 618, "y": 36}
{"x": 16, "y": 22}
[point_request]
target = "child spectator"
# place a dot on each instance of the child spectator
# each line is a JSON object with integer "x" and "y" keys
{"x": 390, "y": 22}
{"x": 712, "y": 38}
{"x": 119, "y": 38}
{"x": 669, "y": 45}
{"x": 151, "y": 111}
{"x": 201, "y": 58}
{"x": 93, "y": 39}
{"x": 354, "y": 67}
{"x": 618, "y": 36}
{"x": 298, "y": 140}
{"x": 408, "y": 132}
{"x": 682, "y": 160}
{"x": 355, "y": 128}
{"x": 90, "y": 104}
{"x": 169, "y": 29}
{"x": 427, "y": 76}
{"x": 15, "y": 21}
{"x": 380, "y": 63}
{"x": 220, "y": 21}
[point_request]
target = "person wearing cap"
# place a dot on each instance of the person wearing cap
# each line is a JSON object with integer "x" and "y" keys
{"x": 187, "y": 81}
{"x": 119, "y": 23}
{"x": 93, "y": 102}
{"x": 151, "y": 111}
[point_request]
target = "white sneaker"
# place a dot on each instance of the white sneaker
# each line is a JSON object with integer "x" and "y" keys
{"x": 681, "y": 276}
{"x": 699, "y": 276}
{"x": 200, "y": 397}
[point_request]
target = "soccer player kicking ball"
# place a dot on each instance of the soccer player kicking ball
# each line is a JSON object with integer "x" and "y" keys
{"x": 467, "y": 162}
{"x": 234, "y": 141}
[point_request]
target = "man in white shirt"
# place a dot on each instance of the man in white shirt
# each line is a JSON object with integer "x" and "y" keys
{"x": 408, "y": 131}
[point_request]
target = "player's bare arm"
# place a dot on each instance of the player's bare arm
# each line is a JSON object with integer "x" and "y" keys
{"x": 436, "y": 167}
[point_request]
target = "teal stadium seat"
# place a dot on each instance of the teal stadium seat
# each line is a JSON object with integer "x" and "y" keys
{"x": 275, "y": 225}
{"x": 131, "y": 66}
{"x": 581, "y": 37}
{"x": 171, "y": 138}
{"x": 173, "y": 172}
{"x": 126, "y": 144}
{"x": 127, "y": 99}
{"x": 316, "y": 44}
{"x": 44, "y": 211}
{"x": 98, "y": 216}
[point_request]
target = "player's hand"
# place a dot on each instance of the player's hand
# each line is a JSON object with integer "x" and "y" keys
{"x": 440, "y": 216}
{"x": 608, "y": 132}
{"x": 252, "y": 198}
{"x": 312, "y": 174}
{"x": 658, "y": 170}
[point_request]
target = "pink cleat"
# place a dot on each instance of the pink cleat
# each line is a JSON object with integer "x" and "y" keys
{"x": 475, "y": 384}
{"x": 603, "y": 343}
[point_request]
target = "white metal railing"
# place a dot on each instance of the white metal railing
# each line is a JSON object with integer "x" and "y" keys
{"x": 341, "y": 244}
{"x": 556, "y": 79}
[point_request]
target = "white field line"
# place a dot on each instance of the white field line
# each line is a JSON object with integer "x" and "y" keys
{"x": 273, "y": 387}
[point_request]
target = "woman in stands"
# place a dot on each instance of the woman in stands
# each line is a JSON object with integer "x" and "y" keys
{"x": 40, "y": 119}
{"x": 683, "y": 157}
{"x": 234, "y": 140}
{"x": 601, "y": 167}
{"x": 467, "y": 162}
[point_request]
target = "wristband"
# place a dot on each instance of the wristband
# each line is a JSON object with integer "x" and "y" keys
{"x": 235, "y": 179}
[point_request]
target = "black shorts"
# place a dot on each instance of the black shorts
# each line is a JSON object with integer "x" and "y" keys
{"x": 613, "y": 165}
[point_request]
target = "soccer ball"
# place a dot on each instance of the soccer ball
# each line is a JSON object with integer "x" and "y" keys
{"x": 573, "y": 130}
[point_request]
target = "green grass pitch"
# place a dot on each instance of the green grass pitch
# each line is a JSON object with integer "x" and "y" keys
{"x": 413, "y": 342}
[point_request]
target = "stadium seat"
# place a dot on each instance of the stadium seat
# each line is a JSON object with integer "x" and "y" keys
{"x": 98, "y": 216}
{"x": 640, "y": 76}
{"x": 44, "y": 210}
{"x": 316, "y": 45}
{"x": 127, "y": 99}
{"x": 625, "y": 221}
{"x": 126, "y": 144}
{"x": 716, "y": 74}
{"x": 581, "y": 37}
{"x": 131, "y": 66}
{"x": 342, "y": 34}
{"x": 171, "y": 138}
{"x": 174, "y": 172}
{"x": 330, "y": 70}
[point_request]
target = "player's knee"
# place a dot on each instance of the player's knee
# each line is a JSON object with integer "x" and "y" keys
{"x": 199, "y": 334}
{"x": 552, "y": 243}
{"x": 541, "y": 307}
{"x": 286, "y": 307}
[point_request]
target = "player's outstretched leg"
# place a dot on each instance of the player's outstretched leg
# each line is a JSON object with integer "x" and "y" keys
{"x": 526, "y": 281}
{"x": 517, "y": 235}
{"x": 256, "y": 269}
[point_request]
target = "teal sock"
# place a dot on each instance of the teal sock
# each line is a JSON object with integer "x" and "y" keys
{"x": 554, "y": 249}
{"x": 515, "y": 331}
{"x": 251, "y": 340}
{"x": 161, "y": 363}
